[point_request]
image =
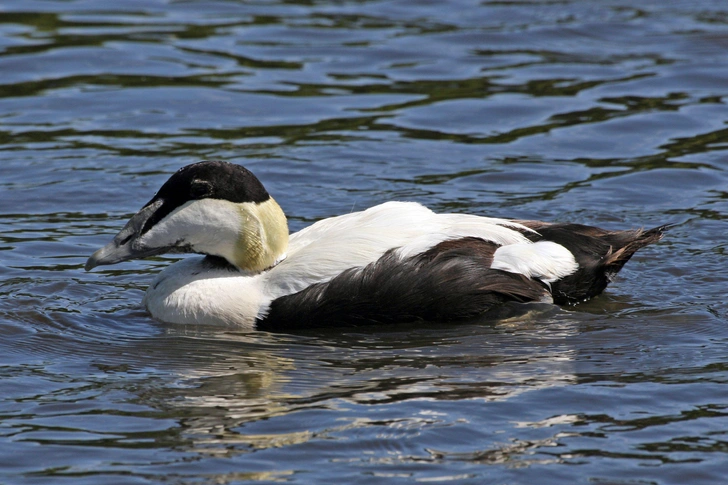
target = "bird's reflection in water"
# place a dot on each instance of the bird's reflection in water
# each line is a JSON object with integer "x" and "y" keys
{"x": 226, "y": 382}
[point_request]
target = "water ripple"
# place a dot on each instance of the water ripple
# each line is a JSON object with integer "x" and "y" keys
{"x": 596, "y": 112}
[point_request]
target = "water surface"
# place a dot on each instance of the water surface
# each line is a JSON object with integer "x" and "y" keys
{"x": 597, "y": 112}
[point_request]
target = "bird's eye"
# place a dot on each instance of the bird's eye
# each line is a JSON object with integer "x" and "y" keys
{"x": 199, "y": 189}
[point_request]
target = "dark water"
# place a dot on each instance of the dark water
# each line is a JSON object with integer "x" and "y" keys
{"x": 598, "y": 112}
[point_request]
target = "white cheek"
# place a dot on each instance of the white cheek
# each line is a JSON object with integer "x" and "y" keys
{"x": 207, "y": 226}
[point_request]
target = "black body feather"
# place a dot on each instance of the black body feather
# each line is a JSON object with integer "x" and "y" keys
{"x": 451, "y": 281}
{"x": 454, "y": 281}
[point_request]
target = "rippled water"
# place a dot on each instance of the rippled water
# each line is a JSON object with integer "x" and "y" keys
{"x": 597, "y": 112}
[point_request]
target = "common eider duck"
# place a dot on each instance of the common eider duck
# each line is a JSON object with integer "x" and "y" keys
{"x": 394, "y": 262}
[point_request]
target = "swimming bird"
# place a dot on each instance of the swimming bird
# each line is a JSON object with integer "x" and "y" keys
{"x": 394, "y": 262}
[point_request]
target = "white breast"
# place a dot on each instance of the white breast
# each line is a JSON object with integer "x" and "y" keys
{"x": 192, "y": 292}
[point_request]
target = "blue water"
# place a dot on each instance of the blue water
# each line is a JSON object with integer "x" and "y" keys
{"x": 599, "y": 112}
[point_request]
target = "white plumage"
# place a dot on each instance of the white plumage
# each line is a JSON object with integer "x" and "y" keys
{"x": 542, "y": 260}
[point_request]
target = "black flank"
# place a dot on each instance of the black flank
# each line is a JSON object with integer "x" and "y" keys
{"x": 451, "y": 281}
{"x": 207, "y": 180}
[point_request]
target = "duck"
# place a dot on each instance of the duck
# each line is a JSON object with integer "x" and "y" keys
{"x": 392, "y": 263}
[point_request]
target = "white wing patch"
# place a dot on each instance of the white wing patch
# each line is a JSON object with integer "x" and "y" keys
{"x": 543, "y": 260}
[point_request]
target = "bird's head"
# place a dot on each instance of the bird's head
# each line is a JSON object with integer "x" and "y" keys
{"x": 210, "y": 207}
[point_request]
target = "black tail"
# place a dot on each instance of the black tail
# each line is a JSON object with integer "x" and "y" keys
{"x": 601, "y": 255}
{"x": 626, "y": 243}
